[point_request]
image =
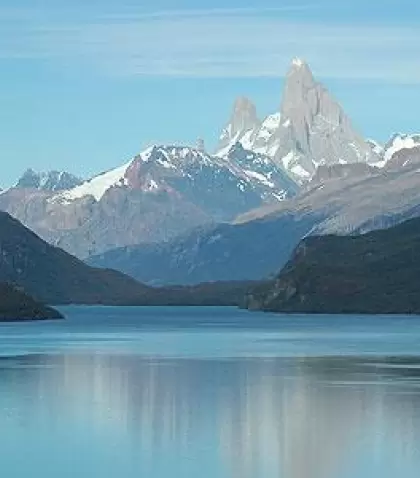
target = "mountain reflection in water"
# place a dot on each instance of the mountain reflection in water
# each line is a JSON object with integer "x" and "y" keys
{"x": 241, "y": 418}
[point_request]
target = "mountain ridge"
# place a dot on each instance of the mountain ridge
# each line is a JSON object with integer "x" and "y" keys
{"x": 259, "y": 243}
{"x": 52, "y": 276}
{"x": 51, "y": 181}
{"x": 161, "y": 193}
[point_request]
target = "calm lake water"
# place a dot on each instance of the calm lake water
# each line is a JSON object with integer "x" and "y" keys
{"x": 209, "y": 393}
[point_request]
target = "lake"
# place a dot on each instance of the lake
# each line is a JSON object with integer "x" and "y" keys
{"x": 209, "y": 393}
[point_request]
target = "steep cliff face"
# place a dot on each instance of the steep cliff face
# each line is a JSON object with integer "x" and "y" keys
{"x": 243, "y": 122}
{"x": 310, "y": 130}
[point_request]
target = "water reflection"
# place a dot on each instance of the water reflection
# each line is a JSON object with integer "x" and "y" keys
{"x": 292, "y": 418}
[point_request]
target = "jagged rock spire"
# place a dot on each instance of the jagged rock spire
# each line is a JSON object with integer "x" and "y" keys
{"x": 311, "y": 129}
{"x": 243, "y": 119}
{"x": 316, "y": 125}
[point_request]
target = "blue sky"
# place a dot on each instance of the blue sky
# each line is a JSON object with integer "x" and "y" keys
{"x": 84, "y": 85}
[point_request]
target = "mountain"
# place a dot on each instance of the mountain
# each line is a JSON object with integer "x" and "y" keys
{"x": 52, "y": 276}
{"x": 243, "y": 120}
{"x": 342, "y": 199}
{"x": 227, "y": 252}
{"x": 28, "y": 265}
{"x": 402, "y": 150}
{"x": 15, "y": 305}
{"x": 376, "y": 273}
{"x": 161, "y": 193}
{"x": 377, "y": 148}
{"x": 341, "y": 171}
{"x": 310, "y": 130}
{"x": 307, "y": 150}
{"x": 50, "y": 181}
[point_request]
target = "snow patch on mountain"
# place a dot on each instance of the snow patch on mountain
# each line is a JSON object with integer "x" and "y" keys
{"x": 377, "y": 148}
{"x": 147, "y": 154}
{"x": 97, "y": 186}
{"x": 399, "y": 142}
{"x": 298, "y": 62}
{"x": 259, "y": 177}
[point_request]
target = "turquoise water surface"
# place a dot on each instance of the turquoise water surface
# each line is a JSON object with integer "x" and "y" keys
{"x": 209, "y": 393}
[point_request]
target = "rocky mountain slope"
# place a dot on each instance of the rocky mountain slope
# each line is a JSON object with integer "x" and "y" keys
{"x": 161, "y": 193}
{"x": 221, "y": 253}
{"x": 310, "y": 130}
{"x": 374, "y": 273}
{"x": 356, "y": 199}
{"x": 15, "y": 305}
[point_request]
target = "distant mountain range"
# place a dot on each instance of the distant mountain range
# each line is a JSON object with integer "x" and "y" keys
{"x": 161, "y": 193}
{"x": 33, "y": 272}
{"x": 342, "y": 199}
{"x": 51, "y": 181}
{"x": 376, "y": 273}
{"x": 178, "y": 214}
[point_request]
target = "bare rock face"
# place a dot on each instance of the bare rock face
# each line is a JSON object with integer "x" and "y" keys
{"x": 341, "y": 171}
{"x": 310, "y": 130}
{"x": 243, "y": 122}
{"x": 315, "y": 126}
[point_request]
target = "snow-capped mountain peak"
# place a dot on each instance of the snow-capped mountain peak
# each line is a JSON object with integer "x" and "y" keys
{"x": 310, "y": 130}
{"x": 242, "y": 124}
{"x": 181, "y": 168}
{"x": 298, "y": 62}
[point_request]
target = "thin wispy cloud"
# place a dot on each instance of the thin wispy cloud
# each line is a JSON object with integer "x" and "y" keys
{"x": 215, "y": 43}
{"x": 204, "y": 12}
